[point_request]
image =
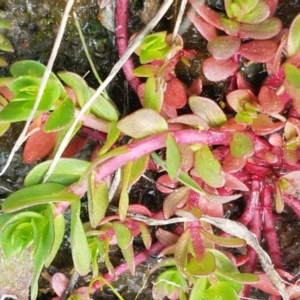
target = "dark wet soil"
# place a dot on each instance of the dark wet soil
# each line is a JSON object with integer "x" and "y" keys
{"x": 34, "y": 27}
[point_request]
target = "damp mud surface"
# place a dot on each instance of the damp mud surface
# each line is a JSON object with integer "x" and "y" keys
{"x": 34, "y": 27}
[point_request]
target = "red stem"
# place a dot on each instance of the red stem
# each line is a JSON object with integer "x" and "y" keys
{"x": 293, "y": 203}
{"x": 250, "y": 265}
{"x": 269, "y": 227}
{"x": 121, "y": 16}
{"x": 252, "y": 203}
{"x": 158, "y": 141}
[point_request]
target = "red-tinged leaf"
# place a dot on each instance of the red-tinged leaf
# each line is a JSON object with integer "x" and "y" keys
{"x": 177, "y": 199}
{"x": 265, "y": 285}
{"x": 258, "y": 51}
{"x": 232, "y": 125}
{"x": 164, "y": 181}
{"x": 38, "y": 146}
{"x": 218, "y": 70}
{"x": 223, "y": 47}
{"x": 261, "y": 31}
{"x": 206, "y": 30}
{"x": 175, "y": 94}
{"x": 233, "y": 164}
{"x": 209, "y": 15}
{"x": 167, "y": 238}
{"x": 187, "y": 158}
{"x": 293, "y": 42}
{"x": 263, "y": 125}
{"x": 139, "y": 209}
{"x": 238, "y": 98}
{"x": 217, "y": 199}
{"x": 75, "y": 146}
{"x": 196, "y": 87}
{"x": 190, "y": 120}
{"x": 59, "y": 283}
{"x": 142, "y": 123}
{"x": 260, "y": 13}
{"x": 272, "y": 6}
{"x": 168, "y": 112}
{"x": 269, "y": 101}
{"x": 208, "y": 110}
{"x": 232, "y": 183}
{"x": 207, "y": 208}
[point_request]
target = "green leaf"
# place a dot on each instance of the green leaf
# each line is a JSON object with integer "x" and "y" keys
{"x": 79, "y": 244}
{"x": 66, "y": 172}
{"x": 104, "y": 108}
{"x": 61, "y": 117}
{"x": 293, "y": 42}
{"x": 34, "y": 69}
{"x": 241, "y": 145}
{"x": 37, "y": 194}
{"x": 292, "y": 75}
{"x": 204, "y": 266}
{"x": 78, "y": 85}
{"x": 208, "y": 167}
{"x": 98, "y": 200}
{"x": 154, "y": 47}
{"x": 245, "y": 278}
{"x": 46, "y": 236}
{"x": 153, "y": 96}
{"x": 258, "y": 14}
{"x": 173, "y": 157}
{"x": 15, "y": 112}
{"x": 124, "y": 197}
{"x": 146, "y": 236}
{"x": 220, "y": 291}
{"x": 145, "y": 71}
{"x": 129, "y": 258}
{"x": 138, "y": 168}
{"x": 227, "y": 242}
{"x": 168, "y": 282}
{"x": 142, "y": 123}
{"x": 199, "y": 287}
{"x": 5, "y": 44}
{"x": 181, "y": 252}
{"x": 112, "y": 137}
{"x": 208, "y": 110}
{"x": 123, "y": 235}
{"x": 59, "y": 230}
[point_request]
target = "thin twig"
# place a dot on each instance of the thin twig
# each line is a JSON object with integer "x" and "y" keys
{"x": 132, "y": 46}
{"x": 85, "y": 48}
{"x": 179, "y": 19}
{"x": 42, "y": 87}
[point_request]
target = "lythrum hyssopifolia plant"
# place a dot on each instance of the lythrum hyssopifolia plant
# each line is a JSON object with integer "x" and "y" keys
{"x": 203, "y": 157}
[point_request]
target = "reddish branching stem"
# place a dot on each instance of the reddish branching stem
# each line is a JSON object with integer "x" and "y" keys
{"x": 269, "y": 227}
{"x": 121, "y": 17}
{"x": 122, "y": 268}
